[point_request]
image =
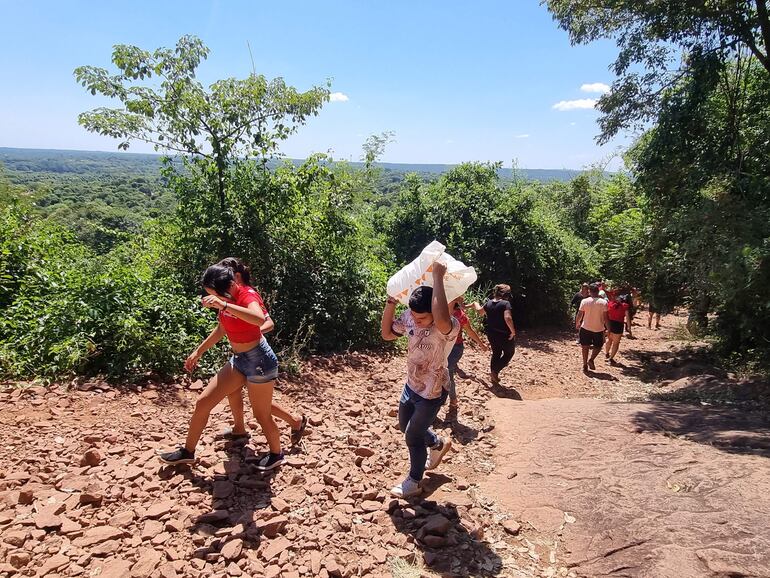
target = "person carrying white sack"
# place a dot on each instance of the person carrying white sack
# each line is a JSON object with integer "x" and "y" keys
{"x": 431, "y": 332}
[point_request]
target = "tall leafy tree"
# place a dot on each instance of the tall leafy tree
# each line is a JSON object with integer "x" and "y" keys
{"x": 660, "y": 42}
{"x": 164, "y": 104}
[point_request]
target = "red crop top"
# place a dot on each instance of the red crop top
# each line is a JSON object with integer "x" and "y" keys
{"x": 616, "y": 311}
{"x": 238, "y": 330}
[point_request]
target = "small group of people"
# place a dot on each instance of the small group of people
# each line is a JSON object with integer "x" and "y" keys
{"x": 602, "y": 311}
{"x": 244, "y": 319}
{"x": 434, "y": 329}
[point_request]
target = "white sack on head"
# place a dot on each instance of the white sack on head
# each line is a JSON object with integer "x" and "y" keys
{"x": 419, "y": 272}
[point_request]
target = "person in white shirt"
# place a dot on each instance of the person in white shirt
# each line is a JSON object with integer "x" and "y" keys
{"x": 591, "y": 322}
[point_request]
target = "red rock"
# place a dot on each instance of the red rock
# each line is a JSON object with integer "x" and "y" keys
{"x": 332, "y": 567}
{"x": 122, "y": 519}
{"x": 160, "y": 509}
{"x": 146, "y": 563}
{"x": 19, "y": 559}
{"x": 272, "y": 526}
{"x": 132, "y": 472}
{"x": 26, "y": 496}
{"x": 151, "y": 529}
{"x": 98, "y": 534}
{"x": 272, "y": 571}
{"x": 16, "y": 537}
{"x": 279, "y": 505}
{"x": 196, "y": 385}
{"x": 315, "y": 562}
{"x": 93, "y": 493}
{"x": 167, "y": 571}
{"x": 437, "y": 524}
{"x": 174, "y": 525}
{"x": 113, "y": 568}
{"x": 434, "y": 541}
{"x": 105, "y": 548}
{"x": 275, "y": 547}
{"x": 233, "y": 569}
{"x": 232, "y": 549}
{"x": 364, "y": 452}
{"x": 380, "y": 554}
{"x": 512, "y": 527}
{"x": 69, "y": 526}
{"x": 223, "y": 490}
{"x": 46, "y": 518}
{"x": 92, "y": 458}
{"x": 370, "y": 506}
{"x": 53, "y": 563}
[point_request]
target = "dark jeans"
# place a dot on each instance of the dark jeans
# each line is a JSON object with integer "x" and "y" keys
{"x": 415, "y": 415}
{"x": 502, "y": 350}
{"x": 454, "y": 358}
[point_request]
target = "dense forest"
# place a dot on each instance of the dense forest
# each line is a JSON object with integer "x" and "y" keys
{"x": 100, "y": 256}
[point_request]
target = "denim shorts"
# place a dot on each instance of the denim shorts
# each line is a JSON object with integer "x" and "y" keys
{"x": 259, "y": 364}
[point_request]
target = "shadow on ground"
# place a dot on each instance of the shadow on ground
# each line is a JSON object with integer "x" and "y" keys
{"x": 729, "y": 429}
{"x": 447, "y": 546}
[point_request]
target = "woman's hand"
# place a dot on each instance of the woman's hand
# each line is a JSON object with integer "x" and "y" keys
{"x": 192, "y": 361}
{"x": 213, "y": 302}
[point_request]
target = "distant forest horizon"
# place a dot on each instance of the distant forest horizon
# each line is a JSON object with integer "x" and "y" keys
{"x": 72, "y": 160}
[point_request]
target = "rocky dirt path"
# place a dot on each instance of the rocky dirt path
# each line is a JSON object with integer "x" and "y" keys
{"x": 658, "y": 489}
{"x": 83, "y": 494}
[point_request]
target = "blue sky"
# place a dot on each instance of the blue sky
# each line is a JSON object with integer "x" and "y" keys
{"x": 456, "y": 81}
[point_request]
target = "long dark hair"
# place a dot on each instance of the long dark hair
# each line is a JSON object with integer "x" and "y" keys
{"x": 219, "y": 278}
{"x": 237, "y": 266}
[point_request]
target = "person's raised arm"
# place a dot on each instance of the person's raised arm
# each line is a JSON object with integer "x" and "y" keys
{"x": 477, "y": 307}
{"x": 439, "y": 307}
{"x": 252, "y": 314}
{"x": 386, "y": 327}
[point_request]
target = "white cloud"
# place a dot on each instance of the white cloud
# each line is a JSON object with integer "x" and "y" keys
{"x": 575, "y": 104}
{"x": 599, "y": 87}
{"x": 338, "y": 97}
{"x": 521, "y": 136}
{"x": 572, "y": 123}
{"x": 450, "y": 141}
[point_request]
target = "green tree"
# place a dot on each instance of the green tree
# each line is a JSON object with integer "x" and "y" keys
{"x": 213, "y": 127}
{"x": 660, "y": 43}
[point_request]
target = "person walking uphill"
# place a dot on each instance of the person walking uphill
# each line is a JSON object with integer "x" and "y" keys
{"x": 253, "y": 362}
{"x": 500, "y": 330}
{"x": 431, "y": 332}
{"x": 591, "y": 322}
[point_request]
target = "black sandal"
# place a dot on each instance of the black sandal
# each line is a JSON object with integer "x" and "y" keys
{"x": 298, "y": 433}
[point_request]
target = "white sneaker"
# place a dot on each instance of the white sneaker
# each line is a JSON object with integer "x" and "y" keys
{"x": 406, "y": 489}
{"x": 437, "y": 454}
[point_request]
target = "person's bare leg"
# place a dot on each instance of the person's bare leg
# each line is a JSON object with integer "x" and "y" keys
{"x": 594, "y": 352}
{"x": 615, "y": 345}
{"x": 584, "y": 349}
{"x": 235, "y": 400}
{"x": 279, "y": 412}
{"x": 261, "y": 397}
{"x": 649, "y": 320}
{"x": 221, "y": 385}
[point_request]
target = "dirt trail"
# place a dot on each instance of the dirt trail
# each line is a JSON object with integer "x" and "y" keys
{"x": 543, "y": 487}
{"x": 655, "y": 489}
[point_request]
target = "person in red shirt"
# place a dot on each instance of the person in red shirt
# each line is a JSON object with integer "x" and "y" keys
{"x": 458, "y": 311}
{"x": 253, "y": 362}
{"x": 238, "y": 431}
{"x": 618, "y": 314}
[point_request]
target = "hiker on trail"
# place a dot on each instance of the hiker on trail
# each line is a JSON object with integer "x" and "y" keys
{"x": 618, "y": 314}
{"x": 235, "y": 400}
{"x": 500, "y": 330}
{"x": 458, "y": 311}
{"x": 431, "y": 332}
{"x": 577, "y": 300}
{"x": 591, "y": 322}
{"x": 253, "y": 363}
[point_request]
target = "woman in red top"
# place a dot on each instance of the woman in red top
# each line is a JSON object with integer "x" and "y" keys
{"x": 253, "y": 362}
{"x": 238, "y": 431}
{"x": 619, "y": 313}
